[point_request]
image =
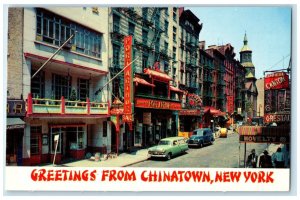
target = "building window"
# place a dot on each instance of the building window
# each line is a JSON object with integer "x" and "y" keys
{"x": 105, "y": 129}
{"x": 174, "y": 34}
{"x": 174, "y": 53}
{"x": 175, "y": 14}
{"x": 116, "y": 56}
{"x": 131, "y": 28}
{"x": 145, "y": 37}
{"x": 166, "y": 27}
{"x": 166, "y": 66}
{"x": 116, "y": 23}
{"x": 61, "y": 86}
{"x": 35, "y": 139}
{"x": 145, "y": 13}
{"x": 56, "y": 30}
{"x": 38, "y": 84}
{"x": 145, "y": 61}
{"x": 83, "y": 89}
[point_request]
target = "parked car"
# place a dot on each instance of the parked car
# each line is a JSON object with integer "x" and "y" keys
{"x": 201, "y": 137}
{"x": 169, "y": 147}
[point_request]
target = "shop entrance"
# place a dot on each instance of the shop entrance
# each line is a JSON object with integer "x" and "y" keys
{"x": 71, "y": 139}
{"x": 14, "y": 138}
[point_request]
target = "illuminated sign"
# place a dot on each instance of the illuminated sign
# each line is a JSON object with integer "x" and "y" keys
{"x": 128, "y": 83}
{"x": 157, "y": 104}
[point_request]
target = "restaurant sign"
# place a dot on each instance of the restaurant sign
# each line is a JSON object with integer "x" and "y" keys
{"x": 128, "y": 80}
{"x": 278, "y": 80}
{"x": 277, "y": 117}
{"x": 157, "y": 104}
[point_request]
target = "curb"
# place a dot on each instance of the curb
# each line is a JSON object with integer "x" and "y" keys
{"x": 135, "y": 162}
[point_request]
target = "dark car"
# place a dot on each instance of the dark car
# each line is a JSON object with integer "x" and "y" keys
{"x": 201, "y": 137}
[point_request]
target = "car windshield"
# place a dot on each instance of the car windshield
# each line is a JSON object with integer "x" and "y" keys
{"x": 198, "y": 132}
{"x": 195, "y": 137}
{"x": 164, "y": 142}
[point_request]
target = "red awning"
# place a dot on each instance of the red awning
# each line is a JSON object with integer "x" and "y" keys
{"x": 174, "y": 89}
{"x": 138, "y": 80}
{"x": 157, "y": 74}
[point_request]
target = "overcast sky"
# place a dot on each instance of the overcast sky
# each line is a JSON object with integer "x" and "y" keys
{"x": 268, "y": 31}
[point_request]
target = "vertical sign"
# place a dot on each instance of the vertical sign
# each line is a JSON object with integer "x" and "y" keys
{"x": 128, "y": 83}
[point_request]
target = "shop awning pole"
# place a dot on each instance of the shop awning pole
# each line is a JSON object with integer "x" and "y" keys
{"x": 45, "y": 63}
{"x": 245, "y": 162}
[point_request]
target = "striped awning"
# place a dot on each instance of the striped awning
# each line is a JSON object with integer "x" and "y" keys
{"x": 14, "y": 123}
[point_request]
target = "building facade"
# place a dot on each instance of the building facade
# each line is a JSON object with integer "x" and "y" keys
{"x": 191, "y": 72}
{"x": 62, "y": 114}
{"x": 157, "y": 99}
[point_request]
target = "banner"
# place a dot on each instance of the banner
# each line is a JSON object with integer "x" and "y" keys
{"x": 128, "y": 80}
{"x": 145, "y": 179}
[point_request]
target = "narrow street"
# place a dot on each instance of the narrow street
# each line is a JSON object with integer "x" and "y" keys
{"x": 224, "y": 153}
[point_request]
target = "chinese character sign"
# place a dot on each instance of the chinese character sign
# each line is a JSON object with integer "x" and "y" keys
{"x": 128, "y": 83}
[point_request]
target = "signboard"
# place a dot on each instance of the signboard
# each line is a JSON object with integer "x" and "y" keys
{"x": 278, "y": 80}
{"x": 190, "y": 112}
{"x": 263, "y": 139}
{"x": 230, "y": 104}
{"x": 277, "y": 117}
{"x": 157, "y": 104}
{"x": 128, "y": 80}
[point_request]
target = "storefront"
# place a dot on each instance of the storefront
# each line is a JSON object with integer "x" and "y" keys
{"x": 155, "y": 119}
{"x": 14, "y": 141}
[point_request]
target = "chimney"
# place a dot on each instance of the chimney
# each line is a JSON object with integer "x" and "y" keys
{"x": 202, "y": 45}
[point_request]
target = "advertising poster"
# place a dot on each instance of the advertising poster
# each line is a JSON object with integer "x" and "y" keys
{"x": 155, "y": 98}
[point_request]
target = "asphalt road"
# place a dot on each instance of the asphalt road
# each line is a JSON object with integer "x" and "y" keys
{"x": 224, "y": 153}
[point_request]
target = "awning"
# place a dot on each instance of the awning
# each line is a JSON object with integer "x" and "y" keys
{"x": 157, "y": 74}
{"x": 14, "y": 123}
{"x": 138, "y": 80}
{"x": 174, "y": 89}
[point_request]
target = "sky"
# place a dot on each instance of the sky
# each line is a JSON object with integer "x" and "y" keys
{"x": 268, "y": 31}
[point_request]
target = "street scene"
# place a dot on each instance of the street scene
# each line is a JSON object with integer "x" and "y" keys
{"x": 148, "y": 87}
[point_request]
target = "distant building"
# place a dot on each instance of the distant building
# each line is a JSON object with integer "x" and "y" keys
{"x": 250, "y": 84}
{"x": 260, "y": 97}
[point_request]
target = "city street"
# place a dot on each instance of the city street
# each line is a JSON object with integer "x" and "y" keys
{"x": 224, "y": 153}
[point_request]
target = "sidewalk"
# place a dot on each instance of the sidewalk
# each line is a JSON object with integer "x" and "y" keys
{"x": 123, "y": 160}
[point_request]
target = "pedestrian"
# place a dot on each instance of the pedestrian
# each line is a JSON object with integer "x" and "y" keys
{"x": 252, "y": 159}
{"x": 265, "y": 160}
{"x": 279, "y": 158}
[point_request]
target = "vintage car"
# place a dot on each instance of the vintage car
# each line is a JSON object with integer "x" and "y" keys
{"x": 201, "y": 137}
{"x": 168, "y": 147}
{"x": 223, "y": 132}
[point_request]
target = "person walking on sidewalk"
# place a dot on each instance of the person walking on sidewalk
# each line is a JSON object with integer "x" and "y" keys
{"x": 252, "y": 159}
{"x": 278, "y": 158}
{"x": 265, "y": 160}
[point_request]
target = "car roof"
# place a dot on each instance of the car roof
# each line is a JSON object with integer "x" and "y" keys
{"x": 202, "y": 129}
{"x": 172, "y": 138}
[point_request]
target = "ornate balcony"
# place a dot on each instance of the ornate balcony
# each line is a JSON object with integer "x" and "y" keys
{"x": 37, "y": 106}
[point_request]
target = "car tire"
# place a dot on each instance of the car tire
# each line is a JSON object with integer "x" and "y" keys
{"x": 169, "y": 156}
{"x": 201, "y": 144}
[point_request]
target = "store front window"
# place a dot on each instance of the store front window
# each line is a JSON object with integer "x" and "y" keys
{"x": 70, "y": 138}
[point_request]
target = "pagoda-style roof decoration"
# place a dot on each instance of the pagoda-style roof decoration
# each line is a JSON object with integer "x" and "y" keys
{"x": 157, "y": 74}
{"x": 141, "y": 81}
{"x": 245, "y": 47}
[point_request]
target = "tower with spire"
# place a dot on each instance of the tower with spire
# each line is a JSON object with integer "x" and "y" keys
{"x": 250, "y": 85}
